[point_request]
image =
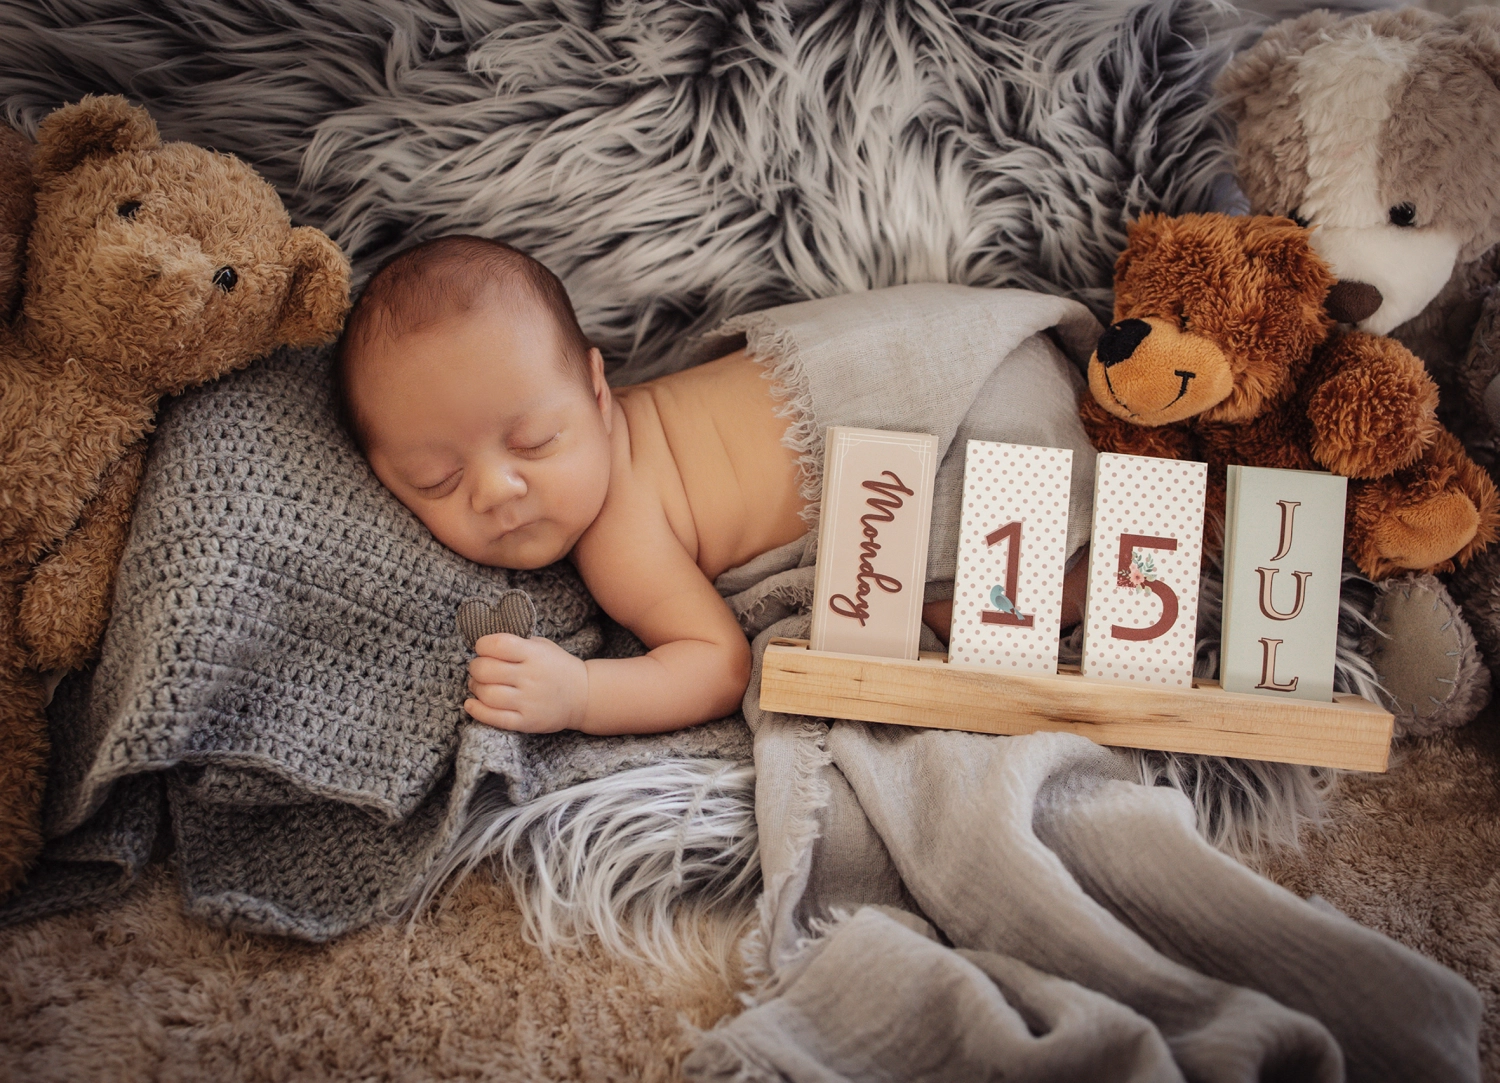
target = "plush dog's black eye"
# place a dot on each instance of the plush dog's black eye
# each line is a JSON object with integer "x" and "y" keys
{"x": 1403, "y": 214}
{"x": 127, "y": 210}
{"x": 225, "y": 278}
{"x": 1296, "y": 216}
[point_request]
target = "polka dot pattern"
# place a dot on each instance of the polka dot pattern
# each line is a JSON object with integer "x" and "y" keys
{"x": 1160, "y": 498}
{"x": 1004, "y": 484}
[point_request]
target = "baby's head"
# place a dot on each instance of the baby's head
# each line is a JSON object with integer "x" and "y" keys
{"x": 466, "y": 381}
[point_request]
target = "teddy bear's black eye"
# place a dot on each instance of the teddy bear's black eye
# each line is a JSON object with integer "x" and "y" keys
{"x": 1296, "y": 216}
{"x": 225, "y": 278}
{"x": 127, "y": 210}
{"x": 1403, "y": 214}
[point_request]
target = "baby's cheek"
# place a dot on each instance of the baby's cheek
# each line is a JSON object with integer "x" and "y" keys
{"x": 453, "y": 532}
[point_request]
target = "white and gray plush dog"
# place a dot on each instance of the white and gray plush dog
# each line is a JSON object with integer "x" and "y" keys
{"x": 1382, "y": 132}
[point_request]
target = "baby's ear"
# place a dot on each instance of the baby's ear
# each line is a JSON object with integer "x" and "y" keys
{"x": 602, "y": 395}
{"x": 319, "y": 298}
{"x": 93, "y": 126}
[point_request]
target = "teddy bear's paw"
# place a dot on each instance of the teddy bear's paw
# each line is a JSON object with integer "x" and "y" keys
{"x": 61, "y": 618}
{"x": 1425, "y": 535}
{"x": 1425, "y": 656}
{"x": 1376, "y": 416}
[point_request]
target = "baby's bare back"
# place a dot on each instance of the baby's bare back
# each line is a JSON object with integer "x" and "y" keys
{"x": 715, "y": 427}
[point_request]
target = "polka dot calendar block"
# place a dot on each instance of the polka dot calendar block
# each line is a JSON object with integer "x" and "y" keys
{"x": 1142, "y": 612}
{"x": 1007, "y": 590}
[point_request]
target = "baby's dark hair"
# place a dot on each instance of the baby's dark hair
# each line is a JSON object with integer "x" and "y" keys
{"x": 438, "y": 279}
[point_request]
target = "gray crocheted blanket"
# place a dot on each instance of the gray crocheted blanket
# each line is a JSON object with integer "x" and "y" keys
{"x": 284, "y": 677}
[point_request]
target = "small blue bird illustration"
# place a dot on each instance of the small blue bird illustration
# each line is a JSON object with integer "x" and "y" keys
{"x": 1001, "y": 601}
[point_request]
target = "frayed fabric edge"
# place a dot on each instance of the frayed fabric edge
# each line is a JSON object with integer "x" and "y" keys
{"x": 810, "y": 794}
{"x": 775, "y": 349}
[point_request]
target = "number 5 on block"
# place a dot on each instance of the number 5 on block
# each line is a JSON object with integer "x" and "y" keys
{"x": 1142, "y": 616}
{"x": 1007, "y": 591}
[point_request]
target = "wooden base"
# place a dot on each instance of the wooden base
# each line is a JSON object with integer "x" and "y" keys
{"x": 1350, "y": 732}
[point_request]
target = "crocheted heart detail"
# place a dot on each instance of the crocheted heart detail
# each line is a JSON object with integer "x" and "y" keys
{"x": 514, "y": 612}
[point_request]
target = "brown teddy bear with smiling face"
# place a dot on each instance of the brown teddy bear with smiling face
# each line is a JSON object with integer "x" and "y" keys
{"x": 1222, "y": 351}
{"x": 143, "y": 268}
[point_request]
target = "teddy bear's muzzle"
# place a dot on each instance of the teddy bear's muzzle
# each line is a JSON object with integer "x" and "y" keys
{"x": 171, "y": 279}
{"x": 1150, "y": 372}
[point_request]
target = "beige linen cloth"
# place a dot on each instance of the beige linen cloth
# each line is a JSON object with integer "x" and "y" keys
{"x": 953, "y": 906}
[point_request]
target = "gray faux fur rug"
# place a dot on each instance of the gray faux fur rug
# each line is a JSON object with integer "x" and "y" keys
{"x": 678, "y": 163}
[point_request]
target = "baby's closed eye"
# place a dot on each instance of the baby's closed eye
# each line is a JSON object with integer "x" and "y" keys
{"x": 533, "y": 445}
{"x": 441, "y": 488}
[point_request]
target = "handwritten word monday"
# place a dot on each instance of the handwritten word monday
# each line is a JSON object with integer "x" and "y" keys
{"x": 885, "y": 505}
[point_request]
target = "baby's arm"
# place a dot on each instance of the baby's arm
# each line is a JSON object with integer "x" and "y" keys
{"x": 638, "y": 571}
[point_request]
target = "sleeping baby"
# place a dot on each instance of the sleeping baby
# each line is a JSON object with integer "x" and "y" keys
{"x": 480, "y": 404}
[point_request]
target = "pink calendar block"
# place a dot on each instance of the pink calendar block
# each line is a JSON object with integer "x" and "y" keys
{"x": 872, "y": 541}
{"x": 1007, "y": 590}
{"x": 1142, "y": 614}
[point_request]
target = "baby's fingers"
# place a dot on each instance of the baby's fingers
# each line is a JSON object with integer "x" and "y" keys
{"x": 502, "y": 646}
{"x": 491, "y": 671}
{"x": 494, "y": 716}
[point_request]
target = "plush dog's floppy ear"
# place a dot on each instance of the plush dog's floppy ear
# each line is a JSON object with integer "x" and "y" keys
{"x": 1479, "y": 38}
{"x": 1250, "y": 74}
{"x": 93, "y": 126}
{"x": 319, "y": 298}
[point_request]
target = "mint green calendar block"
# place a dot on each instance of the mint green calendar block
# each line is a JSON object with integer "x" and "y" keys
{"x": 1283, "y": 549}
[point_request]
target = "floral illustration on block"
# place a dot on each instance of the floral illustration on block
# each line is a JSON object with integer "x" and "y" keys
{"x": 1142, "y": 570}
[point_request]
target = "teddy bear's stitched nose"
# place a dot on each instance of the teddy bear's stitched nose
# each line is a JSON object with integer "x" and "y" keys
{"x": 1120, "y": 340}
{"x": 1350, "y": 301}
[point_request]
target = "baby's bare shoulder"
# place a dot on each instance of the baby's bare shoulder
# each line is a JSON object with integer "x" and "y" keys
{"x": 638, "y": 571}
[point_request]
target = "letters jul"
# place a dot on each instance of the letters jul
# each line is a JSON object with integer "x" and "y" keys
{"x": 885, "y": 511}
{"x": 1268, "y": 608}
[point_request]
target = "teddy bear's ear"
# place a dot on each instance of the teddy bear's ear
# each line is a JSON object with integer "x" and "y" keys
{"x": 1140, "y": 235}
{"x": 1253, "y": 71}
{"x": 319, "y": 298}
{"x": 95, "y": 125}
{"x": 17, "y": 204}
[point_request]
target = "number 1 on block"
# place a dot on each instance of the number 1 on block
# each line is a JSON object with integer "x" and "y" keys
{"x": 1142, "y": 615}
{"x": 1007, "y": 591}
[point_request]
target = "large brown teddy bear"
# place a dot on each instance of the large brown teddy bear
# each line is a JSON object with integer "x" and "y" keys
{"x": 1221, "y": 351}
{"x": 149, "y": 267}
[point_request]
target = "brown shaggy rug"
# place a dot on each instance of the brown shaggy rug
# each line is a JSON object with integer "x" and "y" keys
{"x": 1415, "y": 853}
{"x": 135, "y": 991}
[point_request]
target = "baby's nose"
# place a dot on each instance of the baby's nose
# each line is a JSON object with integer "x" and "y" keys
{"x": 496, "y": 487}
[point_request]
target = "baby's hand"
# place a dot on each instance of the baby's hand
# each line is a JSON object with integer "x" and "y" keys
{"x": 528, "y": 685}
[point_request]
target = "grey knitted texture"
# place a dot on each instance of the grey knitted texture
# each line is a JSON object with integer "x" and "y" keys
{"x": 284, "y": 655}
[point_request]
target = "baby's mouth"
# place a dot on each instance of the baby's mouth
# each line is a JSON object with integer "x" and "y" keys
{"x": 508, "y": 529}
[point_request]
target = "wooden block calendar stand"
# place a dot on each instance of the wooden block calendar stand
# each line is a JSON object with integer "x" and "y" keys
{"x": 1349, "y": 733}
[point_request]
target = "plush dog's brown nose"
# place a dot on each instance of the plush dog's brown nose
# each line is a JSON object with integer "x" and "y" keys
{"x": 1350, "y": 301}
{"x": 1120, "y": 340}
